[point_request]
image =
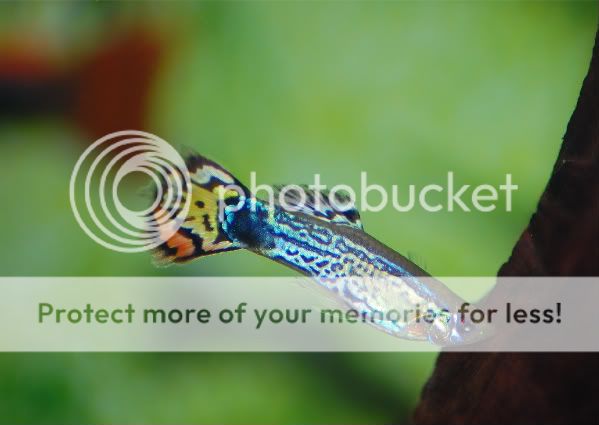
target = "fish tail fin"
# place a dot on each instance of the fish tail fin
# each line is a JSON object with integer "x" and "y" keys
{"x": 200, "y": 232}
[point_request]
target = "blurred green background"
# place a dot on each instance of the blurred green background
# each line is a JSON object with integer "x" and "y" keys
{"x": 403, "y": 90}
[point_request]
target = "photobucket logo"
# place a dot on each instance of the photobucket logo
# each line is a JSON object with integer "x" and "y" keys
{"x": 106, "y": 219}
{"x": 430, "y": 197}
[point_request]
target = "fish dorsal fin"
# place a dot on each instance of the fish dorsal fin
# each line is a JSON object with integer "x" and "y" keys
{"x": 337, "y": 209}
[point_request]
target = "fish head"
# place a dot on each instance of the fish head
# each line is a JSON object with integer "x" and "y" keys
{"x": 452, "y": 329}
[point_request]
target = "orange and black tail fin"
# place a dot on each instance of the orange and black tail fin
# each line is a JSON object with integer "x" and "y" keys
{"x": 200, "y": 232}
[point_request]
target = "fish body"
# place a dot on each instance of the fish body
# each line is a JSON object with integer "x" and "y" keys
{"x": 321, "y": 241}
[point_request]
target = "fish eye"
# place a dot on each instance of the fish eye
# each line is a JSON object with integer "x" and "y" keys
{"x": 440, "y": 331}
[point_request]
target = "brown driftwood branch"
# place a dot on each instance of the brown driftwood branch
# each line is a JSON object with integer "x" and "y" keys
{"x": 562, "y": 239}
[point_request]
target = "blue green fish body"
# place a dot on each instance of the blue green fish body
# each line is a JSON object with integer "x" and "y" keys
{"x": 326, "y": 244}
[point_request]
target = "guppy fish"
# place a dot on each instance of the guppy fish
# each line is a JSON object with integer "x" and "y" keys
{"x": 320, "y": 241}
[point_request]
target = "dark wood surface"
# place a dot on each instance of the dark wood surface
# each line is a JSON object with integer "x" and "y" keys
{"x": 562, "y": 239}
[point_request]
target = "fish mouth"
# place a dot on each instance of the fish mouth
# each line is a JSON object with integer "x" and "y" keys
{"x": 471, "y": 334}
{"x": 457, "y": 333}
